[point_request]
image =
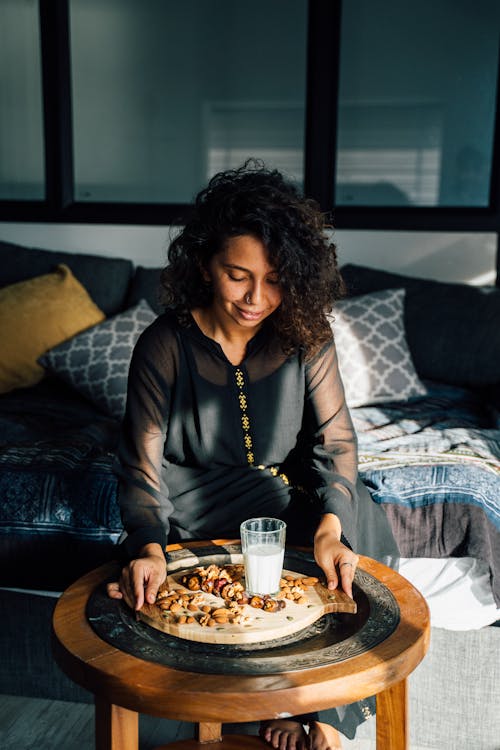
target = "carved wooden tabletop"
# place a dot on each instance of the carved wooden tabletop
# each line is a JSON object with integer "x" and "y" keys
{"x": 125, "y": 684}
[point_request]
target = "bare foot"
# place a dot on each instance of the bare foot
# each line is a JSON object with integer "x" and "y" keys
{"x": 323, "y": 737}
{"x": 285, "y": 734}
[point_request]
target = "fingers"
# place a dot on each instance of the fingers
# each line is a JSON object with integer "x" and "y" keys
{"x": 332, "y": 580}
{"x": 113, "y": 590}
{"x": 146, "y": 574}
{"x": 346, "y": 577}
{"x": 126, "y": 587}
{"x": 139, "y": 581}
{"x": 325, "y": 558}
{"x": 338, "y": 563}
{"x": 122, "y": 589}
{"x": 347, "y": 569}
{"x": 138, "y": 591}
{"x": 155, "y": 580}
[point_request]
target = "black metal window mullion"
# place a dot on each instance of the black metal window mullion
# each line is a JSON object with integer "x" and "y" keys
{"x": 323, "y": 63}
{"x": 56, "y": 86}
{"x": 495, "y": 173}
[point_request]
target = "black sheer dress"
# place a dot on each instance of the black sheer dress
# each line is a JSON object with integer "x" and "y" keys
{"x": 206, "y": 444}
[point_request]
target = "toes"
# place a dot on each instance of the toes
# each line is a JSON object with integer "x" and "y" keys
{"x": 284, "y": 735}
{"x": 324, "y": 737}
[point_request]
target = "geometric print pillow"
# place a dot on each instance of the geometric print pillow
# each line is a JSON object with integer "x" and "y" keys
{"x": 374, "y": 360}
{"x": 96, "y": 361}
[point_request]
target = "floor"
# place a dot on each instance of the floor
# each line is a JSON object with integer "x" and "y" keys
{"x": 39, "y": 724}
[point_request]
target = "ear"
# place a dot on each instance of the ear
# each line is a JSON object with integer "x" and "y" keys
{"x": 205, "y": 274}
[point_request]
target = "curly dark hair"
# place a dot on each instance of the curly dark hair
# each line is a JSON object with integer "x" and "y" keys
{"x": 253, "y": 200}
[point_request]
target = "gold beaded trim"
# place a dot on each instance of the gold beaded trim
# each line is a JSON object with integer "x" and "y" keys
{"x": 275, "y": 472}
{"x": 366, "y": 711}
{"x": 245, "y": 423}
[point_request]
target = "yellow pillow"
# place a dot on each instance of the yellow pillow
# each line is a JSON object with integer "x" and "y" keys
{"x": 36, "y": 315}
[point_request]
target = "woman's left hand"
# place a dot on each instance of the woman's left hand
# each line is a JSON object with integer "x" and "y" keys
{"x": 337, "y": 561}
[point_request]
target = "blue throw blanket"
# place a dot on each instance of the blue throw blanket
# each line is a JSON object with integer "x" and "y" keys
{"x": 434, "y": 465}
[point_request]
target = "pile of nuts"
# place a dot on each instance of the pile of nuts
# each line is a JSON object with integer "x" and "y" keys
{"x": 295, "y": 588}
{"x": 224, "y": 582}
{"x": 187, "y": 607}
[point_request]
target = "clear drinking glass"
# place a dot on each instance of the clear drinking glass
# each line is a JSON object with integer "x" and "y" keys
{"x": 263, "y": 547}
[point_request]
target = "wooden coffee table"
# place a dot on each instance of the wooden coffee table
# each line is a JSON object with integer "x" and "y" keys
{"x": 125, "y": 685}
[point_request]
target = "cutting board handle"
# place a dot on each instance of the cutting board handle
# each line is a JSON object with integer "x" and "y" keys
{"x": 335, "y": 601}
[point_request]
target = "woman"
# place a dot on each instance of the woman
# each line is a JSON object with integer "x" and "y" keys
{"x": 235, "y": 405}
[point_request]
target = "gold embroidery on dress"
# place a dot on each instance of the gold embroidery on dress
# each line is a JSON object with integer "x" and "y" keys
{"x": 366, "y": 711}
{"x": 245, "y": 423}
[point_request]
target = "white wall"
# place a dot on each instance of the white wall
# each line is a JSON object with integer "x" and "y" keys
{"x": 445, "y": 256}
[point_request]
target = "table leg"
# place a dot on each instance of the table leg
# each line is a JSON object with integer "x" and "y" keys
{"x": 209, "y": 732}
{"x": 116, "y": 728}
{"x": 392, "y": 718}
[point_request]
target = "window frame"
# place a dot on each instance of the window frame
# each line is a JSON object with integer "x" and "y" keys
{"x": 323, "y": 60}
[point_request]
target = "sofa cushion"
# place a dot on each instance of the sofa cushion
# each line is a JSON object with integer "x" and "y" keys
{"x": 106, "y": 279}
{"x": 453, "y": 330}
{"x": 374, "y": 359}
{"x": 145, "y": 285}
{"x": 96, "y": 362}
{"x": 35, "y": 315}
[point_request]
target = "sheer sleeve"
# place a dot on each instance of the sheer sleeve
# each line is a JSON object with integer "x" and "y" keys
{"x": 143, "y": 498}
{"x": 329, "y": 455}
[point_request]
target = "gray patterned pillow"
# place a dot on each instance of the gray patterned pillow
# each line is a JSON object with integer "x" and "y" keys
{"x": 374, "y": 359}
{"x": 96, "y": 361}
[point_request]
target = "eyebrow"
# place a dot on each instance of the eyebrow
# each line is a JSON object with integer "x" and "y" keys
{"x": 239, "y": 268}
{"x": 245, "y": 270}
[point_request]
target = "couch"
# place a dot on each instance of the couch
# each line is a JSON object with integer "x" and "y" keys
{"x": 427, "y": 418}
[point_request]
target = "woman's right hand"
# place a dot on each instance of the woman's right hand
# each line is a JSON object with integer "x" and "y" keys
{"x": 141, "y": 578}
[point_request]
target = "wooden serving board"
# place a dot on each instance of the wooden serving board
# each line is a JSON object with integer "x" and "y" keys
{"x": 256, "y": 625}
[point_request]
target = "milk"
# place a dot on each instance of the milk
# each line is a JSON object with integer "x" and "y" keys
{"x": 263, "y": 567}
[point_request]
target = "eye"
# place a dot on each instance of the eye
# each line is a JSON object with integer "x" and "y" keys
{"x": 236, "y": 278}
{"x": 273, "y": 282}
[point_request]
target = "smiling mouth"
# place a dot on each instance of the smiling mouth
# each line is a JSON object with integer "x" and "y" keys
{"x": 250, "y": 315}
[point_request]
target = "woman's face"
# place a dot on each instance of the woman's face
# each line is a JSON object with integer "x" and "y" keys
{"x": 246, "y": 287}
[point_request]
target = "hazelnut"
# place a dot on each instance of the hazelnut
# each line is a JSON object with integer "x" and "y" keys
{"x": 257, "y": 602}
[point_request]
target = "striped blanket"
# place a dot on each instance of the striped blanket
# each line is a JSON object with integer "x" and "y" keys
{"x": 434, "y": 466}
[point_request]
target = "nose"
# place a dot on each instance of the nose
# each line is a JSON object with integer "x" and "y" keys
{"x": 254, "y": 294}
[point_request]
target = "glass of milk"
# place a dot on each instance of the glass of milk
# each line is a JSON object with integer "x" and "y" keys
{"x": 263, "y": 547}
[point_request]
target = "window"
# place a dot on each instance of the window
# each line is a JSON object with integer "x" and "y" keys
{"x": 166, "y": 92}
{"x": 271, "y": 130}
{"x": 118, "y": 111}
{"x": 389, "y": 154}
{"x": 417, "y": 93}
{"x": 21, "y": 114}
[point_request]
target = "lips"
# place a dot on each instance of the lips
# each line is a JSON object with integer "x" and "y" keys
{"x": 250, "y": 315}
